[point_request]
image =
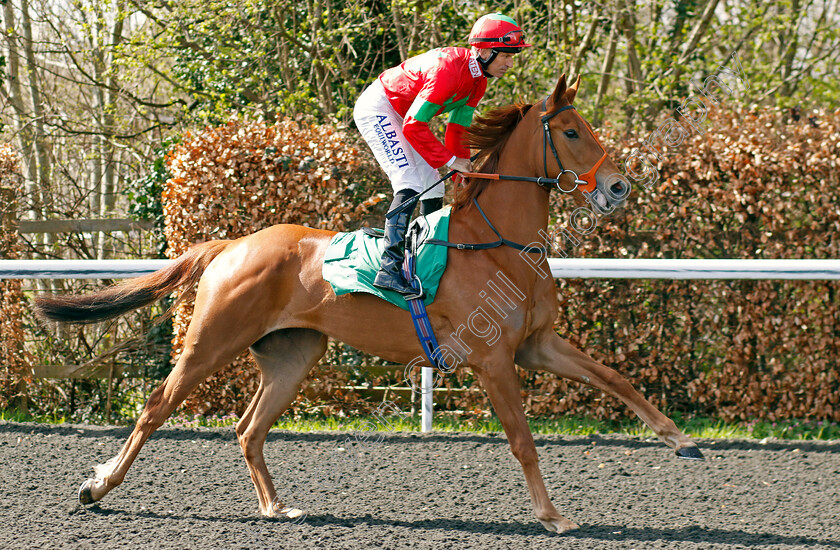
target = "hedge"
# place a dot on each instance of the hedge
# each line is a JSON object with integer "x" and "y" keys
{"x": 754, "y": 185}
{"x": 14, "y": 362}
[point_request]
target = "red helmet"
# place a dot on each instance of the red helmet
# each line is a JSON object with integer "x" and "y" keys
{"x": 499, "y": 32}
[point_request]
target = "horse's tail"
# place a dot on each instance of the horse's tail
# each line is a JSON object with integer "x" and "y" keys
{"x": 132, "y": 293}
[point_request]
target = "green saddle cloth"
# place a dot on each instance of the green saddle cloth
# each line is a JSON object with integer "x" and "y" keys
{"x": 352, "y": 260}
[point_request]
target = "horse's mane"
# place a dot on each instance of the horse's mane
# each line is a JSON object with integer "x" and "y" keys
{"x": 488, "y": 133}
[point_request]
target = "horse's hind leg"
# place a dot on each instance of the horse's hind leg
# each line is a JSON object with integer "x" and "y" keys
{"x": 547, "y": 351}
{"x": 219, "y": 331}
{"x": 193, "y": 367}
{"x": 284, "y": 358}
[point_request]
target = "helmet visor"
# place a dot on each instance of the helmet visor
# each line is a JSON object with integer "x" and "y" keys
{"x": 513, "y": 38}
{"x": 510, "y": 39}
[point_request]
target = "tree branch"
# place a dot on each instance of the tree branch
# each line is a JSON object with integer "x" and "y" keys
{"x": 109, "y": 134}
{"x": 698, "y": 31}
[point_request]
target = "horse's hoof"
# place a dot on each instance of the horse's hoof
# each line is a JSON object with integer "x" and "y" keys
{"x": 294, "y": 514}
{"x": 558, "y": 525}
{"x": 690, "y": 453}
{"x": 278, "y": 509}
{"x": 291, "y": 513}
{"x": 85, "y": 496}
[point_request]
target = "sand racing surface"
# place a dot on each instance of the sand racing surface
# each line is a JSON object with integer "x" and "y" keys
{"x": 189, "y": 488}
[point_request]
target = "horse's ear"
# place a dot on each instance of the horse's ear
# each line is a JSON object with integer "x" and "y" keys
{"x": 559, "y": 90}
{"x": 573, "y": 90}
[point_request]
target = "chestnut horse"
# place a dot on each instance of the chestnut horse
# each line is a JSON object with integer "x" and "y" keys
{"x": 266, "y": 292}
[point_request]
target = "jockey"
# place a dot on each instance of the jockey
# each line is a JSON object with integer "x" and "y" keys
{"x": 393, "y": 117}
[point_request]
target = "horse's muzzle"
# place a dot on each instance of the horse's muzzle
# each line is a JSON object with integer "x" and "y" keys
{"x": 616, "y": 190}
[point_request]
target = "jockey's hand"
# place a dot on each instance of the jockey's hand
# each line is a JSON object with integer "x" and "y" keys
{"x": 462, "y": 165}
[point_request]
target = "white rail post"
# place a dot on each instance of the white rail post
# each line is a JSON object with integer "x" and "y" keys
{"x": 427, "y": 401}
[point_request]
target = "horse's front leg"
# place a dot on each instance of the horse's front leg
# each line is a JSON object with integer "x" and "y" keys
{"x": 547, "y": 351}
{"x": 501, "y": 383}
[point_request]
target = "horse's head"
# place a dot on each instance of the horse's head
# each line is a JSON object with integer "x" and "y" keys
{"x": 571, "y": 149}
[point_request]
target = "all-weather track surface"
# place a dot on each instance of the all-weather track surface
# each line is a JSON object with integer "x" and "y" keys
{"x": 189, "y": 488}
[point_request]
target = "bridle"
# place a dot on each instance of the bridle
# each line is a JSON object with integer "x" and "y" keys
{"x": 585, "y": 182}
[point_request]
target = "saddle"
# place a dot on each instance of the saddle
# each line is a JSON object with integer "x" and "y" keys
{"x": 352, "y": 259}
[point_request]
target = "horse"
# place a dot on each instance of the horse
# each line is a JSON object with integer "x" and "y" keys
{"x": 265, "y": 292}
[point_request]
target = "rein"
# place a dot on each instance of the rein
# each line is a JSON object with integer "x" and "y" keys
{"x": 484, "y": 246}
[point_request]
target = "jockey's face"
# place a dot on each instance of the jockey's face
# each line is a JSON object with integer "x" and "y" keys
{"x": 500, "y": 65}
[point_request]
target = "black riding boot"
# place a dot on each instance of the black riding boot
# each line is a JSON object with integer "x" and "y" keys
{"x": 389, "y": 275}
{"x": 427, "y": 206}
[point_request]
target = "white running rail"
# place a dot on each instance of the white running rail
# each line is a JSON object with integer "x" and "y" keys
{"x": 561, "y": 268}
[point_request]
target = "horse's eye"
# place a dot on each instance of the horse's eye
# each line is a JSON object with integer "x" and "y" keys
{"x": 571, "y": 134}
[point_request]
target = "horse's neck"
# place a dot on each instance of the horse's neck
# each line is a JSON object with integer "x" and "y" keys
{"x": 518, "y": 210}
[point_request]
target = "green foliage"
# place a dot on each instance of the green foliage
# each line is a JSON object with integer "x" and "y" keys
{"x": 145, "y": 194}
{"x": 272, "y": 56}
{"x": 278, "y": 56}
{"x": 698, "y": 427}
